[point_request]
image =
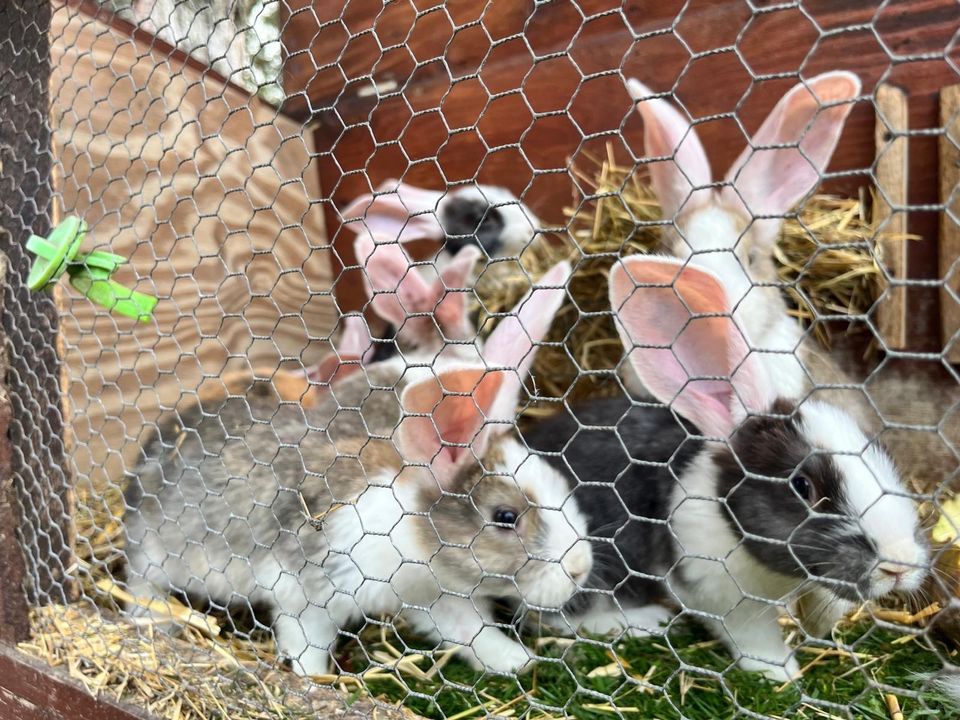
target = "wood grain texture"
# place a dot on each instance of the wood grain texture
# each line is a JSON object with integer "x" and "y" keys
{"x": 214, "y": 198}
{"x": 512, "y": 93}
{"x": 39, "y": 468}
{"x": 14, "y": 609}
{"x": 891, "y": 172}
{"x": 950, "y": 223}
{"x": 30, "y": 690}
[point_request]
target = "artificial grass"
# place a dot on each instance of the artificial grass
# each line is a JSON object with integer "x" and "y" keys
{"x": 684, "y": 674}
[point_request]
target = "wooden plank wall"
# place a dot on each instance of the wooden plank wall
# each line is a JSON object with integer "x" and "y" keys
{"x": 509, "y": 91}
{"x": 213, "y": 196}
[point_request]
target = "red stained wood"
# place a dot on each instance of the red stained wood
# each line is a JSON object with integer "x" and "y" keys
{"x": 30, "y": 690}
{"x": 512, "y": 110}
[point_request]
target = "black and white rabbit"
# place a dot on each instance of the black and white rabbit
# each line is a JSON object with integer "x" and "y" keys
{"x": 487, "y": 216}
{"x": 734, "y": 501}
{"x": 424, "y": 305}
{"x": 422, "y": 501}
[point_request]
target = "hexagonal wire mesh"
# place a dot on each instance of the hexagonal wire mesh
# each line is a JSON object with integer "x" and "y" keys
{"x": 537, "y": 471}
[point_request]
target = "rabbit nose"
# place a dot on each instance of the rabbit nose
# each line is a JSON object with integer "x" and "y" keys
{"x": 893, "y": 570}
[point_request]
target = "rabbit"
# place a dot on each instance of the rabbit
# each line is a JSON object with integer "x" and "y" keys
{"x": 430, "y": 320}
{"x": 486, "y": 216}
{"x": 421, "y": 503}
{"x": 733, "y": 501}
{"x": 471, "y": 221}
{"x": 732, "y": 231}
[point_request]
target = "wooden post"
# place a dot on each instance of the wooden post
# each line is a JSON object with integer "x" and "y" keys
{"x": 950, "y": 221}
{"x": 35, "y": 485}
{"x": 892, "y": 123}
{"x": 14, "y": 613}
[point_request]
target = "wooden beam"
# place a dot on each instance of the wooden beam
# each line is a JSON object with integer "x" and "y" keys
{"x": 892, "y": 123}
{"x": 30, "y": 690}
{"x": 14, "y": 613}
{"x": 37, "y": 487}
{"x": 950, "y": 221}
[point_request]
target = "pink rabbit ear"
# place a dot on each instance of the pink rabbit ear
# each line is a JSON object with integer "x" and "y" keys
{"x": 810, "y": 118}
{"x": 353, "y": 349}
{"x": 451, "y": 307}
{"x": 513, "y": 344}
{"x": 454, "y": 406}
{"x": 396, "y": 211}
{"x": 394, "y": 285}
{"x": 355, "y": 339}
{"x": 668, "y": 322}
{"x": 667, "y": 134}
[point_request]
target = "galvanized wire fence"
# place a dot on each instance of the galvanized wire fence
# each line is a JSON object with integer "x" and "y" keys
{"x": 481, "y": 448}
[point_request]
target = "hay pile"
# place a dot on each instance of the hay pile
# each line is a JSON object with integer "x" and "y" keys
{"x": 827, "y": 260}
{"x": 199, "y": 677}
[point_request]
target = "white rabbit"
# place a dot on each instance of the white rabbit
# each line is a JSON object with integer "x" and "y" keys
{"x": 732, "y": 230}
{"x": 429, "y": 319}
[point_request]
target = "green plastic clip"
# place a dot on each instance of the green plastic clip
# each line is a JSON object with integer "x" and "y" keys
{"x": 90, "y": 273}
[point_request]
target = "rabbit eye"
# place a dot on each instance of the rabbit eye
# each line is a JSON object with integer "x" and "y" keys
{"x": 505, "y": 516}
{"x": 802, "y": 486}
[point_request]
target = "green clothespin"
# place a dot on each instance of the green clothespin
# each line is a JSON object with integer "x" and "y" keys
{"x": 90, "y": 273}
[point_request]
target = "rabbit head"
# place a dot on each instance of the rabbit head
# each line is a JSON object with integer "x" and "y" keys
{"x": 732, "y": 230}
{"x": 500, "y": 519}
{"x": 812, "y": 497}
{"x": 428, "y": 314}
{"x": 486, "y": 216}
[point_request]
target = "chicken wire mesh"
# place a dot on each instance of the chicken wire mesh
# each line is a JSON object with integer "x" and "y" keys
{"x": 451, "y": 481}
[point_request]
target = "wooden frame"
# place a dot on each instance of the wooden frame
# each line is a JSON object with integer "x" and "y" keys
{"x": 94, "y": 9}
{"x": 30, "y": 690}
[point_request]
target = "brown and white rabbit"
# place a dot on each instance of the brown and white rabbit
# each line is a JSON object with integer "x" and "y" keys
{"x": 422, "y": 502}
{"x": 732, "y": 230}
{"x": 735, "y": 500}
{"x": 486, "y": 216}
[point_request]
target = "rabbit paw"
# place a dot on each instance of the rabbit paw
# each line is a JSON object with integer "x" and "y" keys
{"x": 636, "y": 621}
{"x": 497, "y": 654}
{"x": 787, "y": 672}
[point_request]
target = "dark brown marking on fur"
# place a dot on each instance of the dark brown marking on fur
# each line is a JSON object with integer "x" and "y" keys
{"x": 787, "y": 535}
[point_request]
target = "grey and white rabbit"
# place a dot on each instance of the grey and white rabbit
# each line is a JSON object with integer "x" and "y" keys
{"x": 733, "y": 502}
{"x": 732, "y": 230}
{"x": 418, "y": 500}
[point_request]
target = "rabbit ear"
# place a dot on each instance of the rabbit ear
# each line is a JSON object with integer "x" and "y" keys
{"x": 351, "y": 351}
{"x": 469, "y": 406}
{"x": 667, "y": 134}
{"x": 395, "y": 211}
{"x": 668, "y": 323}
{"x": 394, "y": 285}
{"x": 444, "y": 425}
{"x": 451, "y": 307}
{"x": 513, "y": 344}
{"x": 810, "y": 118}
